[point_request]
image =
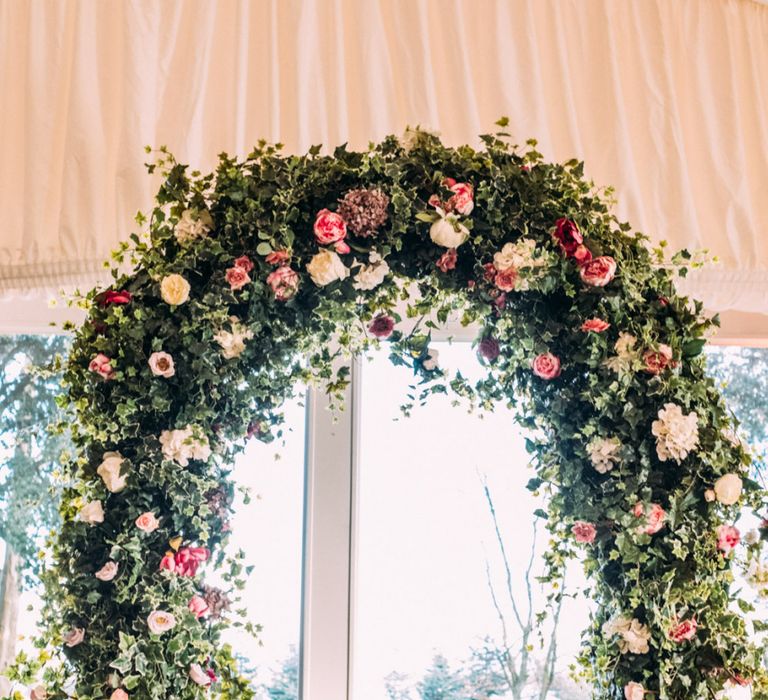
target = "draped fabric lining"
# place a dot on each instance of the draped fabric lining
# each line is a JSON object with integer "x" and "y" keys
{"x": 666, "y": 101}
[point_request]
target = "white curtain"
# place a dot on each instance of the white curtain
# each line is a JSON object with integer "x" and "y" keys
{"x": 667, "y": 100}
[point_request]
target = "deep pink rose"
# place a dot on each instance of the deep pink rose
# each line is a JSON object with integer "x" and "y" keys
{"x": 462, "y": 201}
{"x": 506, "y": 280}
{"x": 683, "y": 631}
{"x": 187, "y": 560}
{"x": 447, "y": 260}
{"x": 489, "y": 349}
{"x": 584, "y": 532}
{"x": 331, "y": 228}
{"x": 102, "y": 366}
{"x": 728, "y": 538}
{"x": 568, "y": 236}
{"x": 198, "y": 607}
{"x": 237, "y": 277}
{"x": 382, "y": 326}
{"x": 245, "y": 262}
{"x": 596, "y": 325}
{"x": 284, "y": 283}
{"x": 656, "y": 361}
{"x": 654, "y": 518}
{"x": 114, "y": 297}
{"x": 598, "y": 272}
{"x": 168, "y": 562}
{"x": 546, "y": 366}
{"x": 278, "y": 257}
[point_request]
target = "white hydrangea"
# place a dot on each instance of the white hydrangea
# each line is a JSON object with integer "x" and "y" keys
{"x": 523, "y": 257}
{"x": 372, "y": 275}
{"x": 232, "y": 342}
{"x": 184, "y": 444}
{"x": 677, "y": 433}
{"x": 634, "y": 635}
{"x": 626, "y": 357}
{"x": 604, "y": 453}
{"x": 190, "y": 227}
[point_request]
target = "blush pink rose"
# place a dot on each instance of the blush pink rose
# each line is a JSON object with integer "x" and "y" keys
{"x": 245, "y": 262}
{"x": 447, "y": 260}
{"x": 202, "y": 676}
{"x": 198, "y": 607}
{"x": 108, "y": 571}
{"x": 568, "y": 236}
{"x": 102, "y": 365}
{"x": 656, "y": 361}
{"x": 546, "y": 366}
{"x": 728, "y": 538}
{"x": 683, "y": 631}
{"x": 119, "y": 694}
{"x": 598, "y": 272}
{"x": 330, "y": 227}
{"x": 584, "y": 532}
{"x": 237, "y": 277}
{"x": 634, "y": 691}
{"x": 596, "y": 325}
{"x": 506, "y": 280}
{"x": 284, "y": 283}
{"x": 147, "y": 522}
{"x": 382, "y": 326}
{"x": 654, "y": 519}
{"x": 278, "y": 257}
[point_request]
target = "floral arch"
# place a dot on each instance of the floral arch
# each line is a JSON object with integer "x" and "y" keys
{"x": 233, "y": 297}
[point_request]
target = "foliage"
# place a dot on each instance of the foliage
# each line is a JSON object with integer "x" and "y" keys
{"x": 285, "y": 684}
{"x": 231, "y": 378}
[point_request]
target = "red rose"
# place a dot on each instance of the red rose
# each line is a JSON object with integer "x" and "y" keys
{"x": 237, "y": 277}
{"x": 331, "y": 228}
{"x": 683, "y": 631}
{"x": 596, "y": 325}
{"x": 278, "y": 257}
{"x": 462, "y": 201}
{"x": 447, "y": 260}
{"x": 113, "y": 297}
{"x": 584, "y": 532}
{"x": 284, "y": 283}
{"x": 598, "y": 272}
{"x": 506, "y": 279}
{"x": 102, "y": 365}
{"x": 728, "y": 537}
{"x": 489, "y": 349}
{"x": 382, "y": 326}
{"x": 568, "y": 236}
{"x": 245, "y": 262}
{"x": 656, "y": 361}
{"x": 546, "y": 366}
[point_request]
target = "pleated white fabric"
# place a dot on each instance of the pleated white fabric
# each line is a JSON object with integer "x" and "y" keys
{"x": 665, "y": 100}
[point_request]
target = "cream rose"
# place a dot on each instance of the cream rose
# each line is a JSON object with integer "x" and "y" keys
{"x": 326, "y": 267}
{"x": 728, "y": 489}
{"x": 108, "y": 571}
{"x": 232, "y": 342}
{"x": 174, "y": 290}
{"x": 109, "y": 471}
{"x": 160, "y": 621}
{"x": 92, "y": 513}
{"x": 448, "y": 232}
{"x": 161, "y": 364}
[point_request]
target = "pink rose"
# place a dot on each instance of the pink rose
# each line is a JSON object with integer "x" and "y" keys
{"x": 108, "y": 571}
{"x": 160, "y": 621}
{"x": 147, "y": 522}
{"x": 584, "y": 532}
{"x": 506, "y": 280}
{"x": 596, "y": 325}
{"x": 683, "y": 631}
{"x": 118, "y": 694}
{"x": 447, "y": 260}
{"x": 237, "y": 277}
{"x": 331, "y": 228}
{"x": 161, "y": 364}
{"x": 634, "y": 691}
{"x": 462, "y": 201}
{"x": 245, "y": 262}
{"x": 187, "y": 560}
{"x": 74, "y": 637}
{"x": 101, "y": 364}
{"x": 654, "y": 520}
{"x": 728, "y": 537}
{"x": 168, "y": 562}
{"x": 656, "y": 361}
{"x": 598, "y": 272}
{"x": 278, "y": 257}
{"x": 568, "y": 236}
{"x": 201, "y": 676}
{"x": 582, "y": 254}
{"x": 546, "y": 366}
{"x": 38, "y": 693}
{"x": 284, "y": 283}
{"x": 382, "y": 326}
{"x": 198, "y": 607}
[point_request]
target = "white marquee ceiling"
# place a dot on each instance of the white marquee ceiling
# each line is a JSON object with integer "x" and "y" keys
{"x": 666, "y": 100}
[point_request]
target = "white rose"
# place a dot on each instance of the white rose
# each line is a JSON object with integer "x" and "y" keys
{"x": 160, "y": 621}
{"x": 677, "y": 433}
{"x": 181, "y": 445}
{"x": 430, "y": 363}
{"x": 372, "y": 275}
{"x": 326, "y": 267}
{"x": 109, "y": 471}
{"x": 38, "y": 693}
{"x": 161, "y": 364}
{"x": 92, "y": 513}
{"x": 199, "y": 676}
{"x": 74, "y": 637}
{"x": 728, "y": 489}
{"x": 232, "y": 342}
{"x": 448, "y": 232}
{"x": 603, "y": 452}
{"x": 188, "y": 228}
{"x": 174, "y": 289}
{"x": 752, "y": 537}
{"x": 108, "y": 571}
{"x": 634, "y": 691}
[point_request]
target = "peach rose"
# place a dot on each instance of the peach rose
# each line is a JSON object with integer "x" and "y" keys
{"x": 147, "y": 522}
{"x": 237, "y": 277}
{"x": 656, "y": 361}
{"x": 595, "y": 325}
{"x": 506, "y": 280}
{"x": 174, "y": 290}
{"x": 634, "y": 691}
{"x": 118, "y": 694}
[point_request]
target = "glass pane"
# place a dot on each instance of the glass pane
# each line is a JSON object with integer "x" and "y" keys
{"x": 433, "y": 617}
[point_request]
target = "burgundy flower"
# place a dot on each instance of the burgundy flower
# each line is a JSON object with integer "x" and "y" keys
{"x": 114, "y": 297}
{"x": 382, "y": 326}
{"x": 365, "y": 211}
{"x": 568, "y": 236}
{"x": 489, "y": 348}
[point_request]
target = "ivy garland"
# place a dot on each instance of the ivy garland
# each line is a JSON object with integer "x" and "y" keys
{"x": 246, "y": 277}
